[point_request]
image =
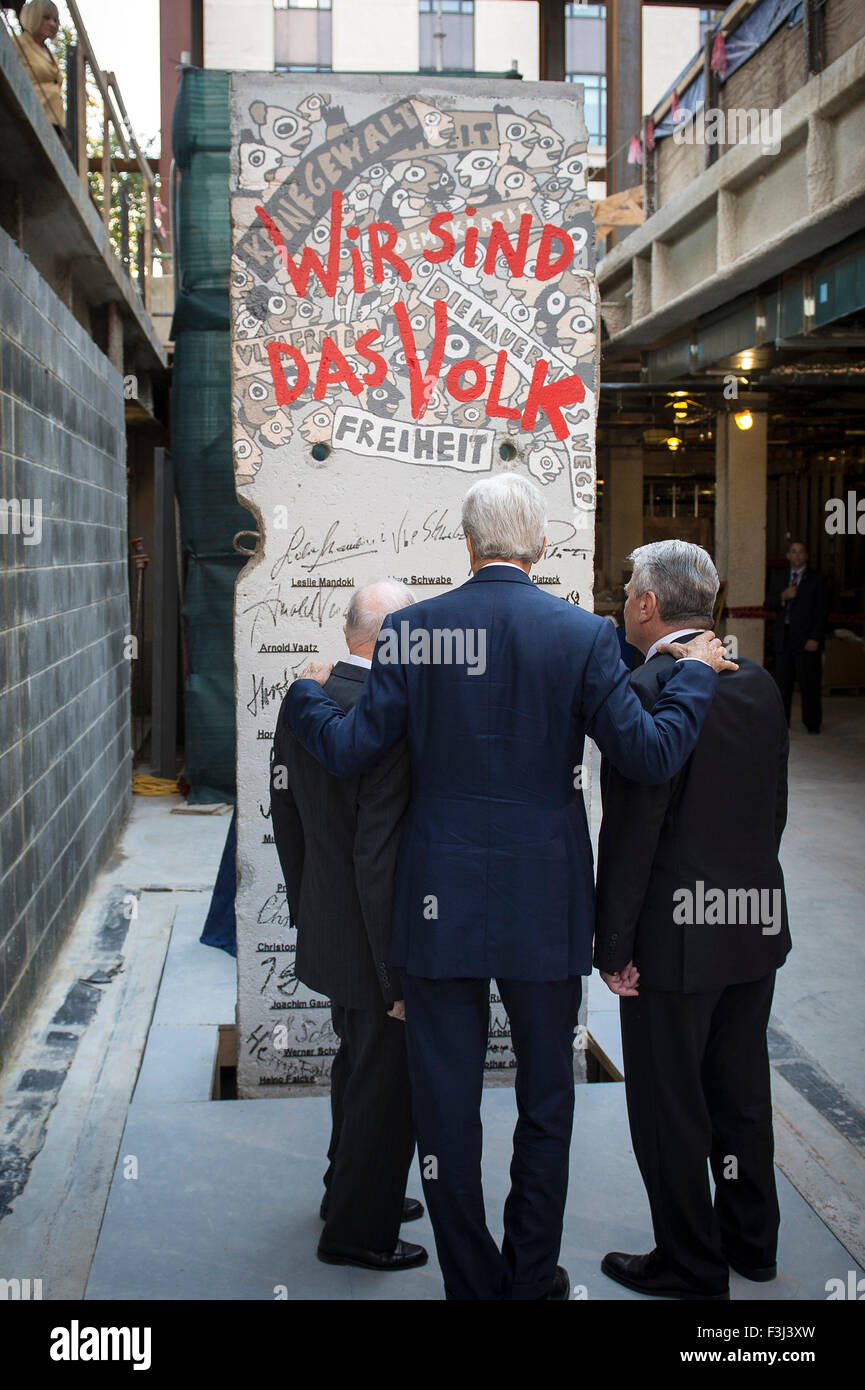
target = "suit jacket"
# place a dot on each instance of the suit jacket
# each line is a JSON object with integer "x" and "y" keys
{"x": 495, "y": 873}
{"x": 808, "y": 611}
{"x": 717, "y": 822}
{"x": 337, "y": 844}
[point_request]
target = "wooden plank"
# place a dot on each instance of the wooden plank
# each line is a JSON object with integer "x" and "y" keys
{"x": 148, "y": 247}
{"x": 106, "y": 168}
{"x": 623, "y": 209}
{"x": 732, "y": 19}
{"x": 81, "y": 113}
{"x": 165, "y": 620}
{"x": 122, "y": 166}
{"x": 143, "y": 164}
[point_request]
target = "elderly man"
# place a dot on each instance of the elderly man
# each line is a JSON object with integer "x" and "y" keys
{"x": 496, "y": 685}
{"x": 337, "y": 844}
{"x": 691, "y": 927}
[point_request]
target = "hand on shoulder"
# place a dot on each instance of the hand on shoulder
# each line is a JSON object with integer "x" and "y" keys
{"x": 316, "y": 671}
{"x": 706, "y": 647}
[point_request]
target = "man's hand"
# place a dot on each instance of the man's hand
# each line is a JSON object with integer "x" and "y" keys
{"x": 398, "y": 1010}
{"x": 707, "y": 647}
{"x": 316, "y": 671}
{"x": 624, "y": 982}
{"x": 790, "y": 592}
{"x": 811, "y": 646}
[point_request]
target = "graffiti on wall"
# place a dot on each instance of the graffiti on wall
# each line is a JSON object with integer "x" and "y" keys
{"x": 413, "y": 305}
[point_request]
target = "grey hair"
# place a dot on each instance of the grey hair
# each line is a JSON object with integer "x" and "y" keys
{"x": 680, "y": 575}
{"x": 370, "y": 604}
{"x": 33, "y": 13}
{"x": 504, "y": 517}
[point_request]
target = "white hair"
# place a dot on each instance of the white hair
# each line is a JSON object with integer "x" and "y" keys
{"x": 505, "y": 519}
{"x": 370, "y": 604}
{"x": 680, "y": 575}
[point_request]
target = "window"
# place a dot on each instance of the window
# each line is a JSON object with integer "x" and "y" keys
{"x": 302, "y": 35}
{"x": 595, "y": 84}
{"x": 586, "y": 62}
{"x": 683, "y": 496}
{"x": 457, "y": 31}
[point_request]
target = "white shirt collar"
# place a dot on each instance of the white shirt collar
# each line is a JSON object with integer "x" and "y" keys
{"x": 493, "y": 563}
{"x": 358, "y": 660}
{"x": 669, "y": 637}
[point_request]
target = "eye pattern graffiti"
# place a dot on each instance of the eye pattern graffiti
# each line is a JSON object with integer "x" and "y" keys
{"x": 483, "y": 176}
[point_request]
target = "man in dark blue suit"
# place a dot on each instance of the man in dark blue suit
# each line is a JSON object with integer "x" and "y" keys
{"x": 496, "y": 685}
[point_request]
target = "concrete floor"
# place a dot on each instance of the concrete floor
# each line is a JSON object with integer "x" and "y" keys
{"x": 219, "y": 1199}
{"x": 818, "y": 994}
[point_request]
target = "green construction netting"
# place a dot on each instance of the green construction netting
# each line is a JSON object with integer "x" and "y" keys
{"x": 201, "y": 439}
{"x": 208, "y": 606}
{"x": 205, "y": 239}
{"x": 201, "y": 114}
{"x": 201, "y": 448}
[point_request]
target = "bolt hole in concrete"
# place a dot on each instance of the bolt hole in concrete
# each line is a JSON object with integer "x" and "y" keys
{"x": 507, "y": 451}
{"x": 320, "y": 452}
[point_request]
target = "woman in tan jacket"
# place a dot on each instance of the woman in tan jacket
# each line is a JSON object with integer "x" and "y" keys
{"x": 40, "y": 22}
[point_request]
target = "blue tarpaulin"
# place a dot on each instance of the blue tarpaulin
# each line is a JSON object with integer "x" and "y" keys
{"x": 741, "y": 44}
{"x": 758, "y": 28}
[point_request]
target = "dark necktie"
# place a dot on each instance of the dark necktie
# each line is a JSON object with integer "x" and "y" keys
{"x": 795, "y": 576}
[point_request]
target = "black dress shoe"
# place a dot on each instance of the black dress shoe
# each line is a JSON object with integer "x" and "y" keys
{"x": 647, "y": 1274}
{"x": 758, "y": 1274}
{"x": 412, "y": 1209}
{"x": 560, "y": 1289}
{"x": 403, "y": 1256}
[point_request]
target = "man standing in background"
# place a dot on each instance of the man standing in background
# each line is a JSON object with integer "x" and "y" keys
{"x": 800, "y": 599}
{"x": 337, "y": 843}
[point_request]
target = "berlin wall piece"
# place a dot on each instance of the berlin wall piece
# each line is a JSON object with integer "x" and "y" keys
{"x": 413, "y": 307}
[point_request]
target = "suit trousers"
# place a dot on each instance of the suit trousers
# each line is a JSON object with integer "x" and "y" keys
{"x": 447, "y": 1024}
{"x": 806, "y": 668}
{"x": 697, "y": 1087}
{"x": 372, "y": 1139}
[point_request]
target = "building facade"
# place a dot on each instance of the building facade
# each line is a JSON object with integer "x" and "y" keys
{"x": 424, "y": 36}
{"x": 81, "y": 367}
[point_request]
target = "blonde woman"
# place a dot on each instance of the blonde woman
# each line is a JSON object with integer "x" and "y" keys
{"x": 39, "y": 23}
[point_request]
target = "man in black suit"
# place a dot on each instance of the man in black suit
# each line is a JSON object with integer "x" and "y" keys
{"x": 691, "y": 926}
{"x": 800, "y": 598}
{"x": 337, "y": 842}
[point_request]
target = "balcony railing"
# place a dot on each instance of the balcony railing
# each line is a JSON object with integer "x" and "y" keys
{"x": 100, "y": 142}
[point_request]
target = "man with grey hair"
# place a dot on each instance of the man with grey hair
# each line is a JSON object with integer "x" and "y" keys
{"x": 494, "y": 875}
{"x": 691, "y": 926}
{"x": 337, "y": 844}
